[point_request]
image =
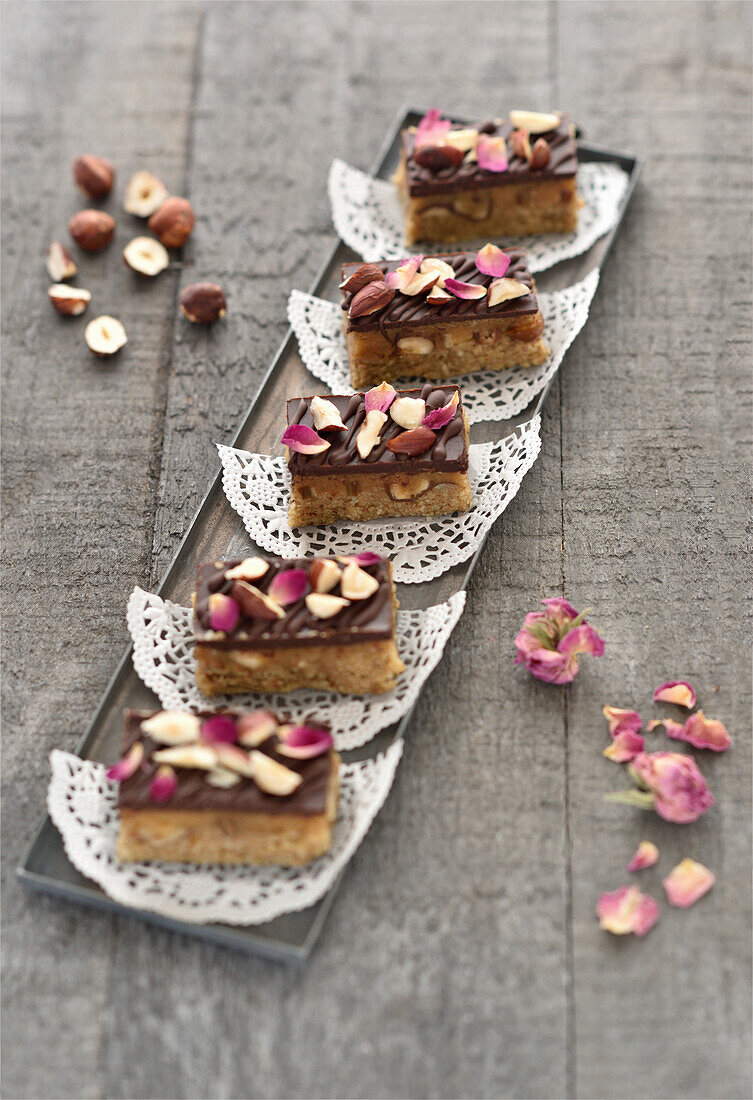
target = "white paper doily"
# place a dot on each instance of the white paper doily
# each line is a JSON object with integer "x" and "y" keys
{"x": 258, "y": 488}
{"x": 82, "y": 804}
{"x": 488, "y": 394}
{"x": 163, "y": 657}
{"x": 368, "y": 216}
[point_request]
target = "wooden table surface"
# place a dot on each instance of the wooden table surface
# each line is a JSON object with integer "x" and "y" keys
{"x": 462, "y": 957}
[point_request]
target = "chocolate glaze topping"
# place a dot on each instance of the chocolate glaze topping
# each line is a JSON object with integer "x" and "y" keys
{"x": 194, "y": 793}
{"x": 563, "y": 162}
{"x": 361, "y": 621}
{"x": 414, "y": 309}
{"x": 449, "y": 452}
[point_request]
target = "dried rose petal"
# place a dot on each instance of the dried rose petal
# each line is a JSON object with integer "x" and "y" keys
{"x": 431, "y": 128}
{"x": 620, "y": 720}
{"x": 687, "y": 882}
{"x": 465, "y": 290}
{"x": 126, "y": 767}
{"x": 404, "y": 273}
{"x": 367, "y": 557}
{"x": 672, "y": 729}
{"x": 289, "y": 586}
{"x": 491, "y": 153}
{"x": 224, "y": 612}
{"x": 164, "y": 784}
{"x": 219, "y": 729}
{"x": 304, "y": 742}
{"x": 437, "y": 418}
{"x": 304, "y": 440}
{"x": 676, "y": 691}
{"x": 703, "y": 733}
{"x": 625, "y": 746}
{"x": 627, "y": 910}
{"x": 379, "y": 398}
{"x": 646, "y": 855}
{"x": 492, "y": 261}
{"x": 256, "y": 727}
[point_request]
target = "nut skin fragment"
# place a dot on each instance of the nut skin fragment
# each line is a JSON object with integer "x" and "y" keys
{"x": 368, "y": 435}
{"x": 60, "y": 265}
{"x": 105, "y": 336}
{"x": 146, "y": 256}
{"x": 69, "y": 301}
{"x": 203, "y": 303}
{"x": 414, "y": 442}
{"x": 144, "y": 195}
{"x": 92, "y": 230}
{"x": 94, "y": 175}
{"x": 324, "y": 574}
{"x": 173, "y": 222}
{"x": 361, "y": 277}
{"x": 375, "y": 296}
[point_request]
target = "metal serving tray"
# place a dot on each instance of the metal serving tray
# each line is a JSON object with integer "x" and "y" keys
{"x": 217, "y": 532}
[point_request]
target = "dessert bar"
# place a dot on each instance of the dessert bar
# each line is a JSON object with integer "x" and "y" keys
{"x": 441, "y": 316}
{"x": 270, "y": 624}
{"x": 383, "y": 453}
{"x": 225, "y": 788}
{"x": 509, "y": 176}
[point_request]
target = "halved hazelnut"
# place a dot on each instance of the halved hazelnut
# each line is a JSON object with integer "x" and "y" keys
{"x": 324, "y": 574}
{"x": 437, "y": 296}
{"x": 203, "y": 303}
{"x": 255, "y": 603}
{"x": 356, "y": 583}
{"x": 94, "y": 175}
{"x": 144, "y": 194}
{"x": 187, "y": 756}
{"x": 173, "y": 222}
{"x": 408, "y": 412}
{"x": 419, "y": 345}
{"x": 521, "y": 144}
{"x": 250, "y": 569}
{"x": 271, "y": 776}
{"x": 60, "y": 263}
{"x": 221, "y": 777}
{"x": 368, "y": 435}
{"x": 361, "y": 277}
{"x": 464, "y": 140}
{"x": 534, "y": 122}
{"x": 172, "y": 727}
{"x": 71, "y": 301}
{"x": 105, "y": 335}
{"x": 146, "y": 256}
{"x": 91, "y": 229}
{"x": 445, "y": 270}
{"x": 234, "y": 759}
{"x": 421, "y": 282}
{"x": 324, "y": 606}
{"x": 540, "y": 154}
{"x": 504, "y": 290}
{"x": 406, "y": 488}
{"x": 326, "y": 415}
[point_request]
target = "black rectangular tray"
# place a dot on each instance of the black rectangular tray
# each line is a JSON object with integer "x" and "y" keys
{"x": 216, "y": 531}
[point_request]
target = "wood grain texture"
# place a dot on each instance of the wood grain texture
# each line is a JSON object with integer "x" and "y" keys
{"x": 462, "y": 957}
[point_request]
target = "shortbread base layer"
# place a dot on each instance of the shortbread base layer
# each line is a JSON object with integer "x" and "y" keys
{"x": 320, "y": 500}
{"x": 439, "y": 351}
{"x": 209, "y": 836}
{"x": 511, "y": 209}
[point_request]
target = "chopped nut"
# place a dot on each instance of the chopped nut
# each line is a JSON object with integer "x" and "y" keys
{"x": 408, "y": 412}
{"x": 203, "y": 303}
{"x": 472, "y": 204}
{"x": 60, "y": 265}
{"x": 187, "y": 756}
{"x": 407, "y": 488}
{"x": 521, "y": 144}
{"x": 437, "y": 157}
{"x": 221, "y": 777}
{"x": 326, "y": 415}
{"x": 373, "y": 297}
{"x": 464, "y": 140}
{"x": 173, "y": 222}
{"x": 420, "y": 283}
{"x": 250, "y": 569}
{"x": 94, "y": 175}
{"x": 414, "y": 442}
{"x": 323, "y": 605}
{"x": 255, "y": 728}
{"x": 444, "y": 269}
{"x": 144, "y": 194}
{"x": 324, "y": 574}
{"x": 70, "y": 301}
{"x": 534, "y": 122}
{"x": 368, "y": 435}
{"x": 437, "y": 296}
{"x": 504, "y": 290}
{"x": 273, "y": 777}
{"x": 419, "y": 345}
{"x": 361, "y": 277}
{"x": 146, "y": 256}
{"x": 172, "y": 727}
{"x": 541, "y": 154}
{"x": 105, "y": 335}
{"x": 356, "y": 583}
{"x": 234, "y": 759}
{"x": 91, "y": 229}
{"x": 255, "y": 603}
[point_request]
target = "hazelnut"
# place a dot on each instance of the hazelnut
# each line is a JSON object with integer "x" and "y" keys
{"x": 445, "y": 270}
{"x": 521, "y": 144}
{"x": 203, "y": 303}
{"x": 94, "y": 175}
{"x": 187, "y": 756}
{"x": 173, "y": 222}
{"x": 408, "y": 412}
{"x": 172, "y": 727}
{"x": 356, "y": 583}
{"x": 414, "y": 442}
{"x": 369, "y": 432}
{"x": 60, "y": 265}
{"x": 146, "y": 256}
{"x": 361, "y": 277}
{"x": 370, "y": 298}
{"x": 221, "y": 777}
{"x": 475, "y": 205}
{"x": 534, "y": 122}
{"x": 437, "y": 157}
{"x": 144, "y": 194}
{"x": 418, "y": 345}
{"x": 91, "y": 229}
{"x": 406, "y": 488}
{"x": 105, "y": 335}
{"x": 70, "y": 301}
{"x": 322, "y": 605}
{"x": 324, "y": 574}
{"x": 250, "y": 569}
{"x": 326, "y": 415}
{"x": 504, "y": 290}
{"x": 540, "y": 154}
{"x": 271, "y": 776}
{"x": 254, "y": 603}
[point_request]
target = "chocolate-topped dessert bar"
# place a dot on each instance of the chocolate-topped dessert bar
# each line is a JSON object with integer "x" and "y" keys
{"x": 383, "y": 453}
{"x": 504, "y": 177}
{"x": 225, "y": 788}
{"x": 274, "y": 624}
{"x": 440, "y": 316}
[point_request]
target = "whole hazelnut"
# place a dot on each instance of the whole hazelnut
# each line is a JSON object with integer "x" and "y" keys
{"x": 203, "y": 303}
{"x": 91, "y": 229}
{"x": 94, "y": 175}
{"x": 173, "y": 222}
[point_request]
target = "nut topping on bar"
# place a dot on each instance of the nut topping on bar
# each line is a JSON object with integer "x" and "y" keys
{"x": 433, "y": 263}
{"x": 356, "y": 583}
{"x": 324, "y": 574}
{"x": 373, "y": 297}
{"x": 254, "y": 603}
{"x": 503, "y": 290}
{"x": 187, "y": 756}
{"x": 408, "y": 412}
{"x": 368, "y": 436}
{"x": 534, "y": 122}
{"x": 415, "y": 442}
{"x": 171, "y": 727}
{"x": 325, "y": 606}
{"x": 540, "y": 155}
{"x": 326, "y": 415}
{"x": 250, "y": 569}
{"x": 365, "y": 274}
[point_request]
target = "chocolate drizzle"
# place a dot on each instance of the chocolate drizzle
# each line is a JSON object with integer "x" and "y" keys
{"x": 563, "y": 163}
{"x": 449, "y": 452}
{"x": 414, "y": 309}
{"x": 194, "y": 793}
{"x": 361, "y": 621}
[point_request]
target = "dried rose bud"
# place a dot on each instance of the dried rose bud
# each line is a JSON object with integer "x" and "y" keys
{"x": 219, "y": 729}
{"x": 289, "y": 586}
{"x": 223, "y": 613}
{"x": 432, "y": 128}
{"x": 129, "y": 764}
{"x": 625, "y": 746}
{"x": 549, "y": 642}
{"x": 164, "y": 785}
{"x": 670, "y": 783}
{"x": 304, "y": 742}
{"x": 380, "y": 397}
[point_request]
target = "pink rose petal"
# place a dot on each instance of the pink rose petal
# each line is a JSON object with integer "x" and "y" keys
{"x": 492, "y": 261}
{"x": 367, "y": 557}
{"x": 676, "y": 691}
{"x": 619, "y": 719}
{"x": 627, "y": 910}
{"x": 289, "y": 586}
{"x": 465, "y": 290}
{"x": 129, "y": 764}
{"x": 164, "y": 784}
{"x": 687, "y": 882}
{"x": 437, "y": 418}
{"x": 491, "y": 153}
{"x": 218, "y": 730}
{"x": 625, "y": 746}
{"x": 256, "y": 727}
{"x": 672, "y": 729}
{"x": 646, "y": 855}
{"x": 380, "y": 397}
{"x": 224, "y": 612}
{"x": 431, "y": 128}
{"x": 304, "y": 742}
{"x": 304, "y": 440}
{"x": 705, "y": 733}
